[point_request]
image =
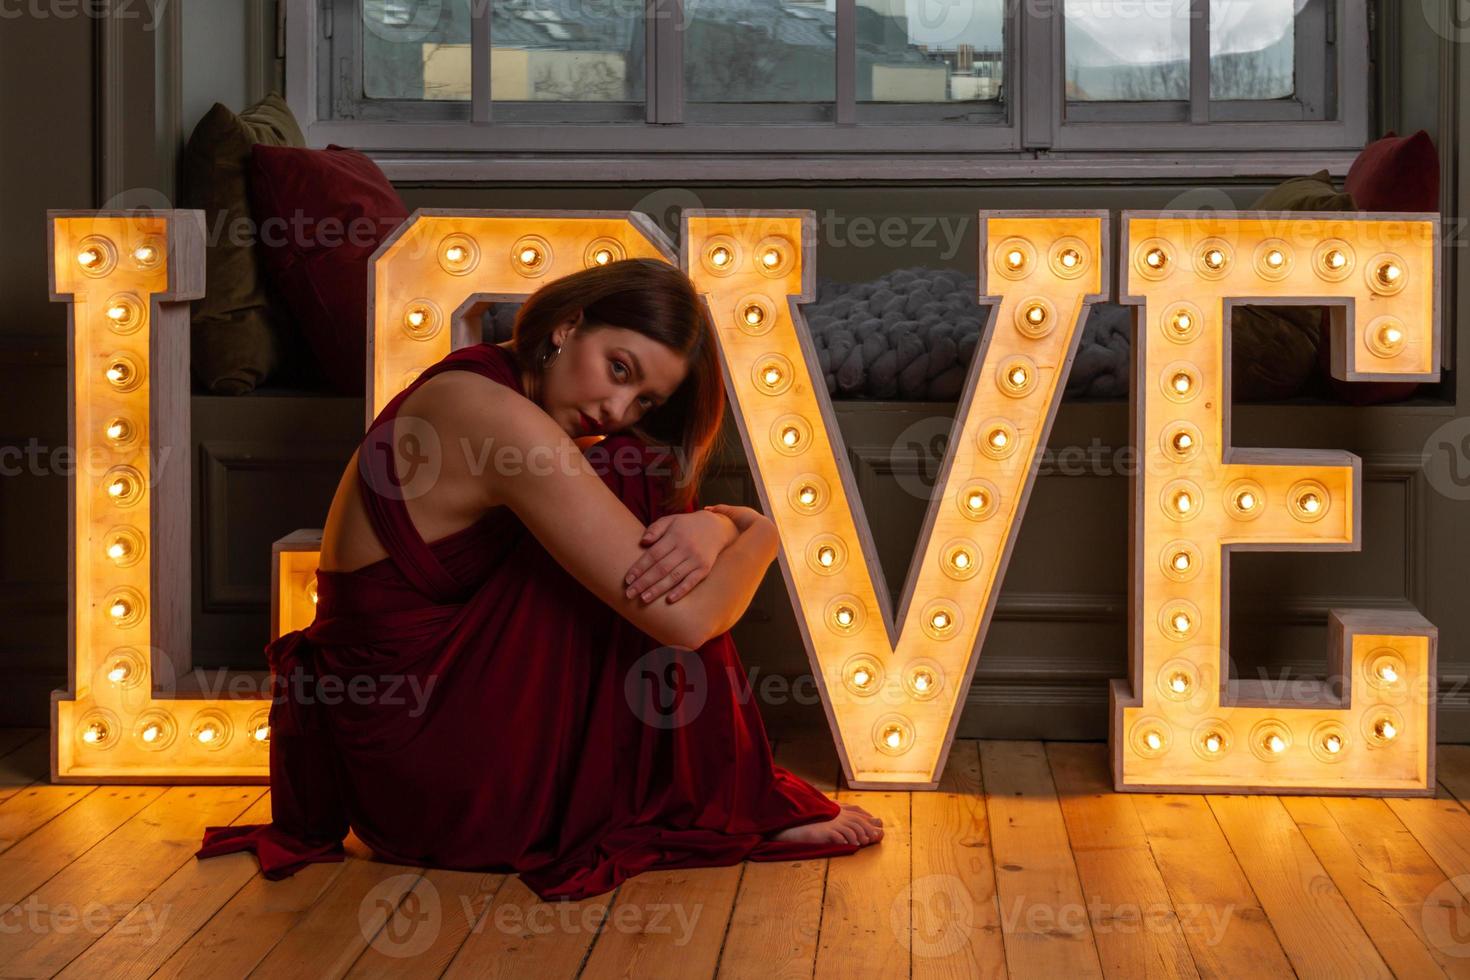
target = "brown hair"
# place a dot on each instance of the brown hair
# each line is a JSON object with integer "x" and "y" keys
{"x": 653, "y": 298}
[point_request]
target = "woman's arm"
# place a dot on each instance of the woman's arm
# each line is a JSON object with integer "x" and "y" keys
{"x": 737, "y": 574}
{"x": 536, "y": 470}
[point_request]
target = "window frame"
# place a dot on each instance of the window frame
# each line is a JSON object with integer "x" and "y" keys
{"x": 1032, "y": 133}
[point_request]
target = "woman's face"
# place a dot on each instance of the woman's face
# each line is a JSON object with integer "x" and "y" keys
{"x": 606, "y": 379}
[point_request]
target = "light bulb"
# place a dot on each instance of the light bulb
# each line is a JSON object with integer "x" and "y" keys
{"x": 1388, "y": 273}
{"x": 976, "y": 500}
{"x": 145, "y": 254}
{"x": 893, "y": 736}
{"x": 1153, "y": 740}
{"x": 961, "y": 560}
{"x": 119, "y": 373}
{"x": 602, "y": 256}
{"x": 151, "y": 732}
{"x": 720, "y": 256}
{"x": 1182, "y": 383}
{"x": 861, "y": 677}
{"x": 1245, "y": 500}
{"x": 771, "y": 376}
{"x": 1390, "y": 336}
{"x": 1070, "y": 258}
{"x": 95, "y": 733}
{"x": 1182, "y": 441}
{"x": 1156, "y": 258}
{"x": 530, "y": 256}
{"x": 1332, "y": 743}
{"x": 455, "y": 254}
{"x": 771, "y": 258}
{"x": 1384, "y": 729}
{"x": 1387, "y": 674}
{"x": 416, "y": 317}
{"x": 119, "y": 550}
{"x": 1018, "y": 376}
{"x": 1275, "y": 743}
{"x": 261, "y": 733}
{"x": 120, "y": 609}
{"x": 1336, "y": 259}
{"x": 754, "y": 315}
{"x": 1214, "y": 259}
{"x": 790, "y": 436}
{"x": 1015, "y": 258}
{"x": 1179, "y": 683}
{"x": 120, "y": 672}
{"x": 1213, "y": 742}
{"x": 1036, "y": 314}
{"x": 1310, "y": 503}
{"x": 1275, "y": 258}
{"x": 88, "y": 257}
{"x": 826, "y": 555}
{"x": 1182, "y": 322}
{"x": 1180, "y": 622}
{"x": 120, "y": 313}
{"x": 119, "y": 430}
{"x": 1181, "y": 561}
{"x": 922, "y": 680}
{"x": 939, "y": 621}
{"x": 844, "y": 616}
{"x": 999, "y": 439}
{"x": 1183, "y": 502}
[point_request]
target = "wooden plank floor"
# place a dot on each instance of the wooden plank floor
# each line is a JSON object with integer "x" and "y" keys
{"x": 1023, "y": 864}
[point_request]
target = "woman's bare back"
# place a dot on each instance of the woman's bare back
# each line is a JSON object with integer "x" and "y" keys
{"x": 444, "y": 470}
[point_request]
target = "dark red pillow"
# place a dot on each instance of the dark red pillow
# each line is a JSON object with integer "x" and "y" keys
{"x": 1396, "y": 173}
{"x": 321, "y": 215}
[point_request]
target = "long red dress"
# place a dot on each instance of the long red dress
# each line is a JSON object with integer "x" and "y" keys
{"x": 469, "y": 704}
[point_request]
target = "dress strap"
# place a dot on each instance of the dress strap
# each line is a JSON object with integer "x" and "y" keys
{"x": 385, "y": 493}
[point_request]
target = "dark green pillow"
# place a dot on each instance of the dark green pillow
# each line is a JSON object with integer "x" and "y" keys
{"x": 238, "y": 332}
{"x": 1314, "y": 193}
{"x": 1274, "y": 348}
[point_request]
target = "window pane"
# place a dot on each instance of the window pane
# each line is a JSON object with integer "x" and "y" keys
{"x": 416, "y": 49}
{"x": 547, "y": 50}
{"x": 567, "y": 50}
{"x": 928, "y": 51}
{"x": 1127, "y": 50}
{"x": 760, "y": 51}
{"x": 1253, "y": 48}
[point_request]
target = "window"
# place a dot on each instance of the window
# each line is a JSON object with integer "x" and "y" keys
{"x": 948, "y": 84}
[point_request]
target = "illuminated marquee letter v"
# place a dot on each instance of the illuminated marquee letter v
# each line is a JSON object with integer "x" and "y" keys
{"x": 892, "y": 686}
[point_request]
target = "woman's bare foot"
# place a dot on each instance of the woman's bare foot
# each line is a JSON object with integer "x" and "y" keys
{"x": 853, "y": 825}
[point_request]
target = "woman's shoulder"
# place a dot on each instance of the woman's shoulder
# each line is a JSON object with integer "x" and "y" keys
{"x": 492, "y": 361}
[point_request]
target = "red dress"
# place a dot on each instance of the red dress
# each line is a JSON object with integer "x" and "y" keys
{"x": 469, "y": 704}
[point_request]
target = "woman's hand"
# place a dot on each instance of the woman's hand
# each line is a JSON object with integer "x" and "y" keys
{"x": 682, "y": 549}
{"x": 743, "y": 517}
